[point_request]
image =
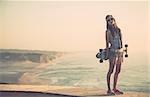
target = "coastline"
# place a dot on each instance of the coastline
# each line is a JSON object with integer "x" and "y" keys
{"x": 23, "y": 64}
{"x": 59, "y": 91}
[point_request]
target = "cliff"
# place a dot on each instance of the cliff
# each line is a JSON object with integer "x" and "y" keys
{"x": 9, "y": 55}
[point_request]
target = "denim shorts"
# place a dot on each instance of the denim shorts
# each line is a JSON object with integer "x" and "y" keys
{"x": 115, "y": 53}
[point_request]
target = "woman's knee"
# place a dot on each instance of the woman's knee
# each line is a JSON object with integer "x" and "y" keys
{"x": 118, "y": 68}
{"x": 110, "y": 71}
{"x": 111, "y": 65}
{"x": 117, "y": 71}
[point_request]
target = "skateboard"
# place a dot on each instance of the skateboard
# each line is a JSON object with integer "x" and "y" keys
{"x": 101, "y": 55}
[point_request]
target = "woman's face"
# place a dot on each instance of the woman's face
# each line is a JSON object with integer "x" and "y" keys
{"x": 111, "y": 21}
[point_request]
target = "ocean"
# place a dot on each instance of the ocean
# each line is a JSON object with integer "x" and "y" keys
{"x": 80, "y": 69}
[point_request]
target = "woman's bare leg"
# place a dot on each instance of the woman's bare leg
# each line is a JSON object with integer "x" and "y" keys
{"x": 111, "y": 68}
{"x": 118, "y": 69}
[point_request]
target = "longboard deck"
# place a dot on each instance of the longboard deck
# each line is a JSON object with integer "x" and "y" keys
{"x": 64, "y": 91}
{"x": 101, "y": 55}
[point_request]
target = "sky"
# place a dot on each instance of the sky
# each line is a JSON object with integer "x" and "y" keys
{"x": 71, "y": 25}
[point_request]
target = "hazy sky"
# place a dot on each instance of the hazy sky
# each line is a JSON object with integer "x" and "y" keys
{"x": 71, "y": 26}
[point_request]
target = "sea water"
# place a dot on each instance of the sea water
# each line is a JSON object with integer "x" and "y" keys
{"x": 82, "y": 69}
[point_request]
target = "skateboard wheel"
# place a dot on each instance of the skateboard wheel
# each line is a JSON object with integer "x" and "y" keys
{"x": 126, "y": 55}
{"x": 100, "y": 50}
{"x": 101, "y": 61}
{"x": 97, "y": 55}
{"x": 126, "y": 45}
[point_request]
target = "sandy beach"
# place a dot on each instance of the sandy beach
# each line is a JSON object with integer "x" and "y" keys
{"x": 58, "y": 91}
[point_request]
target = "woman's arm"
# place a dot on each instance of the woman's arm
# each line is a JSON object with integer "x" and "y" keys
{"x": 107, "y": 40}
{"x": 120, "y": 37}
{"x": 107, "y": 44}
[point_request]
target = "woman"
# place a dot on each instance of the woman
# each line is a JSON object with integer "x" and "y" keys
{"x": 114, "y": 53}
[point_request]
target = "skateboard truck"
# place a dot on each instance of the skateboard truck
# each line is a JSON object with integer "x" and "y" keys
{"x": 101, "y": 60}
{"x": 101, "y": 55}
{"x": 126, "y": 50}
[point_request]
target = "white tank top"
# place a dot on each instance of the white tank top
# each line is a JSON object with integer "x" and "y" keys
{"x": 114, "y": 41}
